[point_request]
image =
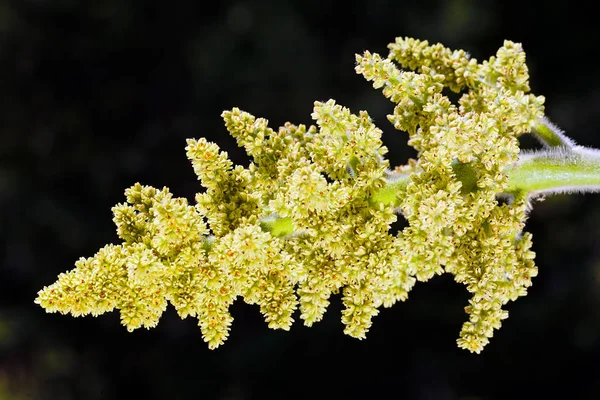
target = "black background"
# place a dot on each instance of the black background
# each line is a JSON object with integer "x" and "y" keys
{"x": 98, "y": 95}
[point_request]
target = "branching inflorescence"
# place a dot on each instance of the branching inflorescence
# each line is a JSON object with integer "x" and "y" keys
{"x": 310, "y": 217}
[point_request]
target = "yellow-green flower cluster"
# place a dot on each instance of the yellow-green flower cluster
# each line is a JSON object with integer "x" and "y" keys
{"x": 310, "y": 216}
{"x": 465, "y": 152}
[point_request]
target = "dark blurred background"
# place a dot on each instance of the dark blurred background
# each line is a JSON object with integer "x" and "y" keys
{"x": 98, "y": 95}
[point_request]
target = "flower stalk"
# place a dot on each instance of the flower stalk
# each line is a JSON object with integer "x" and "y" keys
{"x": 555, "y": 171}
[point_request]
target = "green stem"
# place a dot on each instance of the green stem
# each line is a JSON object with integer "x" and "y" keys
{"x": 558, "y": 170}
{"x": 551, "y": 135}
{"x": 395, "y": 185}
{"x": 561, "y": 169}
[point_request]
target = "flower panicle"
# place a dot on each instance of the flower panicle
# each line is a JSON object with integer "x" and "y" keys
{"x": 311, "y": 216}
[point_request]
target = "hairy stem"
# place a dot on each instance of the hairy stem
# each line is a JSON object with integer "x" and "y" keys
{"x": 558, "y": 170}
{"x": 550, "y": 135}
{"x": 395, "y": 186}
